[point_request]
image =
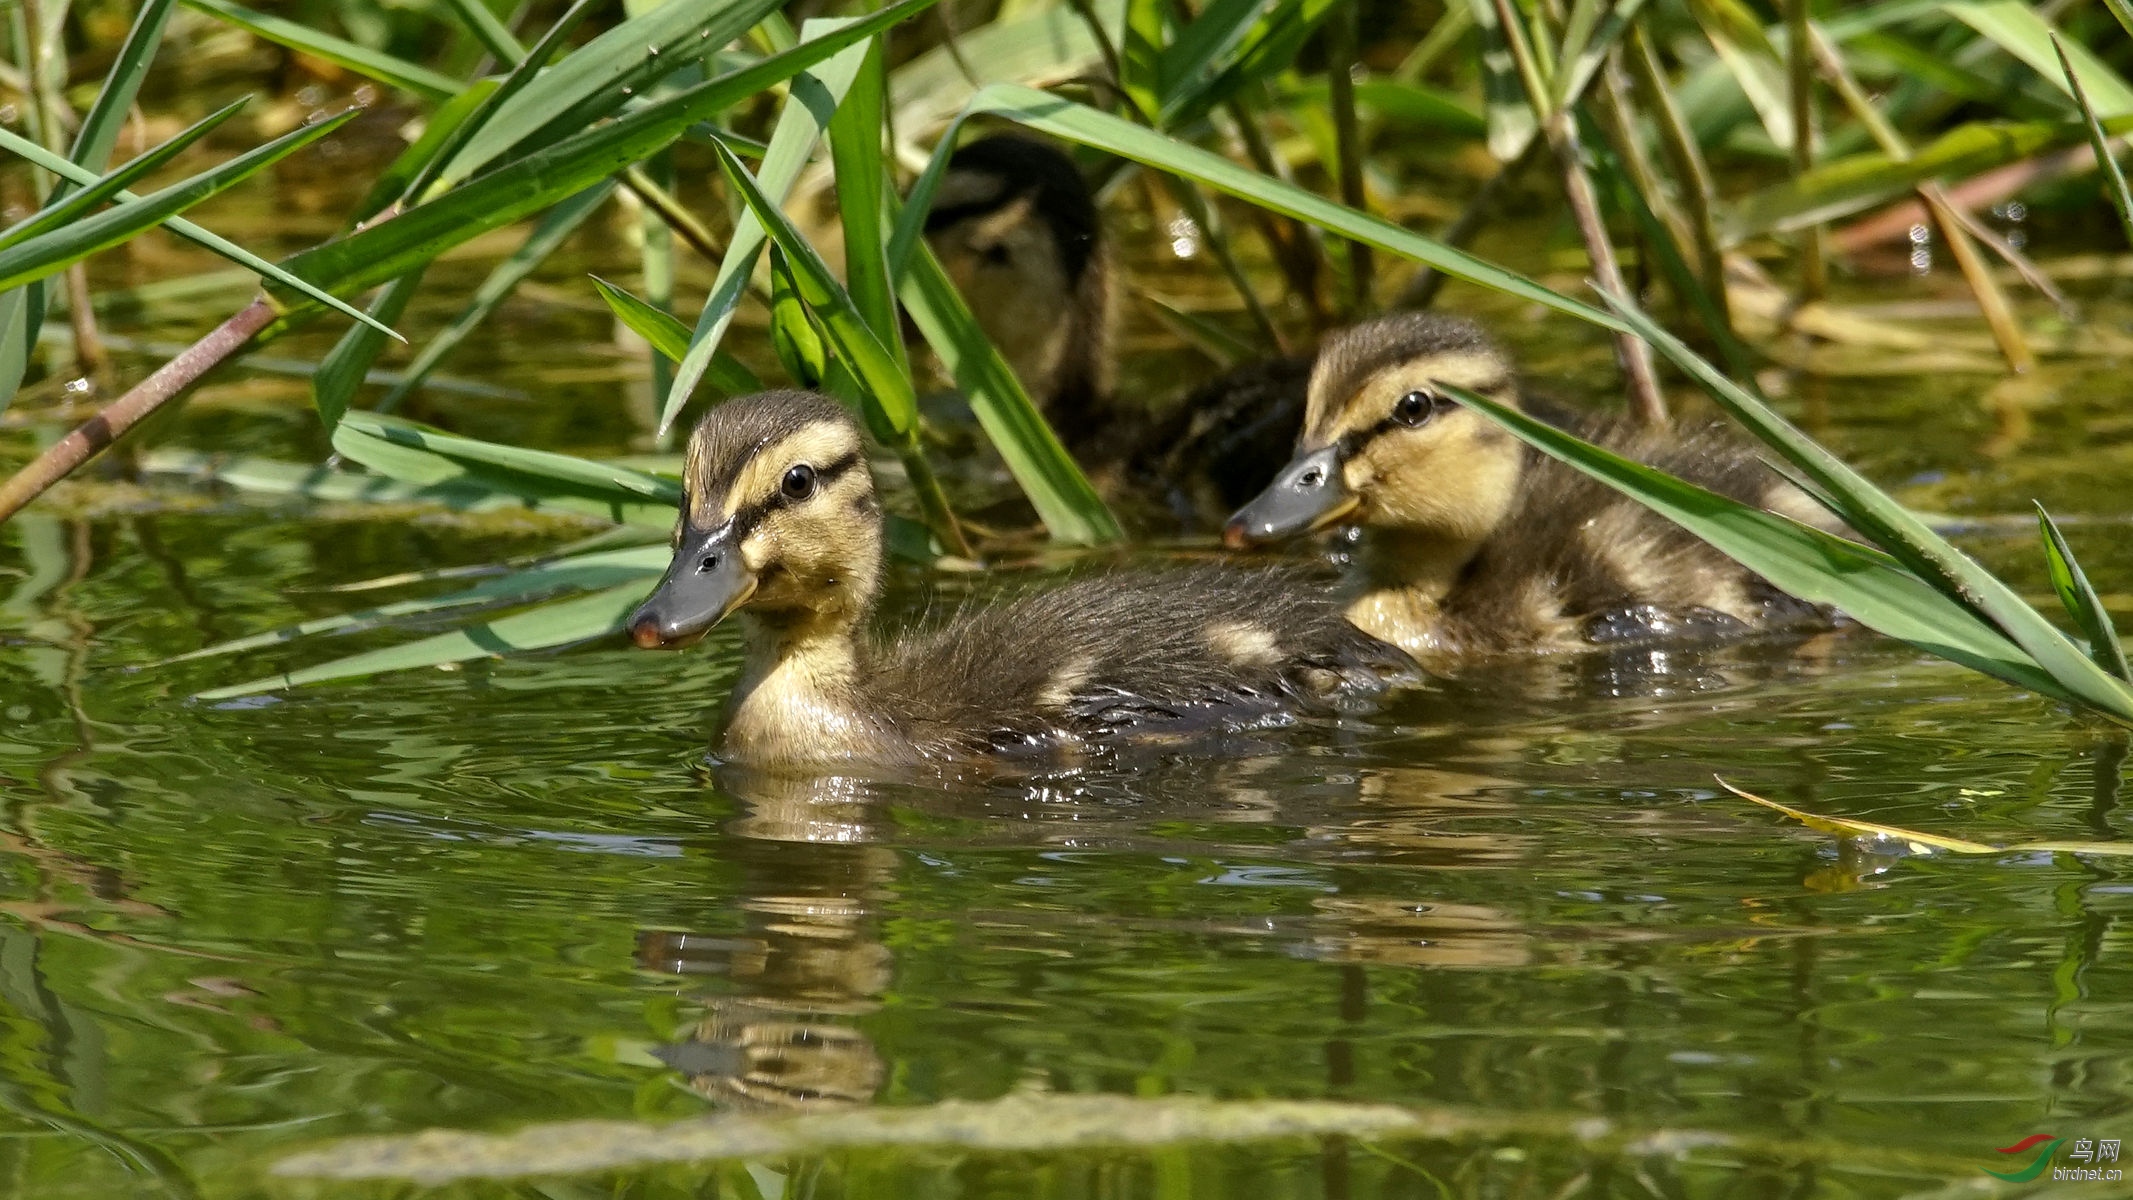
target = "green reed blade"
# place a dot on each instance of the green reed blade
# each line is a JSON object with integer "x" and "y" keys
{"x": 2021, "y": 31}
{"x": 371, "y": 64}
{"x": 1869, "y": 586}
{"x": 488, "y": 29}
{"x": 348, "y": 364}
{"x": 530, "y": 184}
{"x": 64, "y": 207}
{"x": 107, "y": 115}
{"x": 886, "y": 383}
{"x": 539, "y": 478}
{"x": 555, "y": 226}
{"x": 560, "y": 624}
{"x": 1897, "y": 530}
{"x": 53, "y": 251}
{"x": 792, "y": 141}
{"x": 670, "y": 337}
{"x": 596, "y": 79}
{"x": 573, "y": 573}
{"x": 2114, "y": 176}
{"x": 1065, "y": 501}
{"x": 1090, "y": 127}
{"x": 65, "y": 169}
{"x": 2080, "y": 599}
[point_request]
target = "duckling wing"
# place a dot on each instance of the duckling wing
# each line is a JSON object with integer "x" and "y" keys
{"x": 1138, "y": 656}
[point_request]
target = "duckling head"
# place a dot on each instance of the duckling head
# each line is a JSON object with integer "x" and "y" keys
{"x": 1018, "y": 232}
{"x": 778, "y": 515}
{"x": 1384, "y": 446}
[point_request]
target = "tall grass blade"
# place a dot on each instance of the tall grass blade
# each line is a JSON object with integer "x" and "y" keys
{"x": 1511, "y": 121}
{"x": 488, "y": 29}
{"x": 440, "y": 132}
{"x": 1581, "y": 61}
{"x": 21, "y": 312}
{"x": 1087, "y": 126}
{"x": 551, "y": 625}
{"x": 2020, "y": 30}
{"x": 578, "y": 572}
{"x": 1065, "y": 501}
{"x": 1187, "y": 64}
{"x": 2081, "y": 601}
{"x": 53, "y": 251}
{"x": 2123, "y": 10}
{"x": 1855, "y": 182}
{"x": 2114, "y": 176}
{"x": 100, "y": 126}
{"x": 61, "y": 167}
{"x": 889, "y": 401}
{"x": 555, "y": 225}
{"x": 596, "y": 79}
{"x": 855, "y": 135}
{"x": 371, "y": 64}
{"x": 539, "y": 478}
{"x": 65, "y": 207}
{"x": 670, "y": 337}
{"x": 1899, "y": 531}
{"x": 810, "y": 102}
{"x": 449, "y": 164}
{"x": 527, "y": 185}
{"x": 887, "y": 384}
{"x": 348, "y": 364}
{"x": 799, "y": 345}
{"x": 1867, "y": 585}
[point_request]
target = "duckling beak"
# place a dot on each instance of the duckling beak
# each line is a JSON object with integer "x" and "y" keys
{"x": 1308, "y": 495}
{"x": 703, "y": 585}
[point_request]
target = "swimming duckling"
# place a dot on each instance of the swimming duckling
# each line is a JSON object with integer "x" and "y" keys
{"x": 1018, "y": 231}
{"x": 781, "y": 525}
{"x": 1473, "y": 543}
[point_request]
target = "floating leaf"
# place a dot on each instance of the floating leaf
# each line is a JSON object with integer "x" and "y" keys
{"x": 1847, "y": 827}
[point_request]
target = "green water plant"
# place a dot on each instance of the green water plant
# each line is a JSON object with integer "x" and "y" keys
{"x": 1221, "y": 106}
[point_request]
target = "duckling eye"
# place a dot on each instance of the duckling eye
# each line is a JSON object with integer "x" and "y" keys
{"x": 1414, "y": 408}
{"x": 995, "y": 255}
{"x": 799, "y": 483}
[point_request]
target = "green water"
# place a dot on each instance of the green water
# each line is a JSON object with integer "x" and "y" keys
{"x": 519, "y": 892}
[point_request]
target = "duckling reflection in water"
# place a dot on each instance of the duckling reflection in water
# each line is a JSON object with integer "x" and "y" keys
{"x": 1475, "y": 545}
{"x": 780, "y": 524}
{"x": 782, "y": 1033}
{"x": 1018, "y": 231}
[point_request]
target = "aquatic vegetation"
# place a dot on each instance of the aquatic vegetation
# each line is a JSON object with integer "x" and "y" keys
{"x": 1245, "y": 115}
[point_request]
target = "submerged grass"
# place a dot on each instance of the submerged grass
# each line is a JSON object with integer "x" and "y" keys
{"x": 559, "y": 130}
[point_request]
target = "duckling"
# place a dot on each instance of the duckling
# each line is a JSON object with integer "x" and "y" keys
{"x": 1472, "y": 543}
{"x": 782, "y": 526}
{"x": 1019, "y": 233}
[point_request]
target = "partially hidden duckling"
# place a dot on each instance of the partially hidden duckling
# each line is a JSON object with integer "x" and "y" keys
{"x": 1018, "y": 231}
{"x": 1472, "y": 543}
{"x": 781, "y": 525}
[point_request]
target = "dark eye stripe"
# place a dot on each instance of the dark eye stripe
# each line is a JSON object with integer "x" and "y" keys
{"x": 1351, "y": 444}
{"x": 751, "y": 515}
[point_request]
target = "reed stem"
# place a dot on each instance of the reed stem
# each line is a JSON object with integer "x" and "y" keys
{"x": 121, "y": 415}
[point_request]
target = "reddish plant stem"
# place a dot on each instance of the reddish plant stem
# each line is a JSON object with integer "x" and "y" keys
{"x": 122, "y": 414}
{"x": 1646, "y": 402}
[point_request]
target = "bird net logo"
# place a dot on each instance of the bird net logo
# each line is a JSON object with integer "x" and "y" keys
{"x": 2039, "y": 1152}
